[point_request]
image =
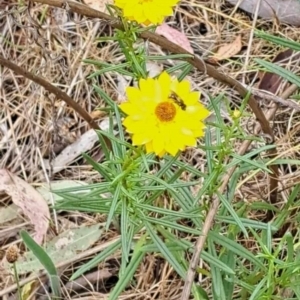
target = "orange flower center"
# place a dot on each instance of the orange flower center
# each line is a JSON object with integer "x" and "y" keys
{"x": 165, "y": 111}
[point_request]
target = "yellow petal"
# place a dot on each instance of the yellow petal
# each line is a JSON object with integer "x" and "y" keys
{"x": 158, "y": 144}
{"x": 149, "y": 147}
{"x": 140, "y": 139}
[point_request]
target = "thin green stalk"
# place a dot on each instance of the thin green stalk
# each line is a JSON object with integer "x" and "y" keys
{"x": 17, "y": 281}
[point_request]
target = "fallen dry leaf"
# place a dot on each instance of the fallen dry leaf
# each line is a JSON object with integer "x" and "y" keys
{"x": 98, "y": 4}
{"x": 228, "y": 50}
{"x": 174, "y": 36}
{"x": 29, "y": 200}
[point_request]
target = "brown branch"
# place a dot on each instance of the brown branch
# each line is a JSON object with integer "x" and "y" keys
{"x": 50, "y": 88}
{"x": 211, "y": 71}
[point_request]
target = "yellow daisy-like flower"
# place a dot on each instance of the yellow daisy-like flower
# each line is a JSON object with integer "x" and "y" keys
{"x": 164, "y": 114}
{"x": 146, "y": 11}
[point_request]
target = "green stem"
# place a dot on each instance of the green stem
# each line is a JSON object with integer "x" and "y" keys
{"x": 17, "y": 281}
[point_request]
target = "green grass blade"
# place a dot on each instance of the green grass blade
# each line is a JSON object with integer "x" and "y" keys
{"x": 165, "y": 251}
{"x": 128, "y": 272}
{"x": 217, "y": 282}
{"x": 97, "y": 259}
{"x": 234, "y": 247}
{"x": 173, "y": 225}
{"x": 234, "y": 215}
{"x": 256, "y": 164}
{"x": 113, "y": 206}
{"x": 105, "y": 97}
{"x": 124, "y": 237}
{"x": 45, "y": 260}
{"x": 286, "y": 74}
{"x": 100, "y": 168}
{"x": 278, "y": 40}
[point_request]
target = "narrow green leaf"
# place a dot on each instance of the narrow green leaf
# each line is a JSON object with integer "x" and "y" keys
{"x": 165, "y": 251}
{"x": 183, "y": 244}
{"x": 179, "y": 66}
{"x": 230, "y": 209}
{"x": 105, "y": 97}
{"x": 128, "y": 272}
{"x": 249, "y": 155}
{"x": 160, "y": 181}
{"x": 97, "y": 259}
{"x": 178, "y": 214}
{"x": 228, "y": 258}
{"x": 207, "y": 184}
{"x": 120, "y": 131}
{"x": 124, "y": 238}
{"x": 116, "y": 139}
{"x": 234, "y": 247}
{"x": 185, "y": 71}
{"x": 259, "y": 289}
{"x": 247, "y": 223}
{"x": 258, "y": 165}
{"x": 45, "y": 260}
{"x": 104, "y": 146}
{"x": 217, "y": 282}
{"x": 100, "y": 168}
{"x": 114, "y": 205}
{"x": 171, "y": 56}
{"x": 170, "y": 224}
{"x": 286, "y": 74}
{"x": 278, "y": 40}
{"x": 214, "y": 261}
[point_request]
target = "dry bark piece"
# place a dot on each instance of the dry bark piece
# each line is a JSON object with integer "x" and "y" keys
{"x": 29, "y": 200}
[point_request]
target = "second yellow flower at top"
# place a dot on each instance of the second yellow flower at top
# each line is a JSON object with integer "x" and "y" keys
{"x": 146, "y": 11}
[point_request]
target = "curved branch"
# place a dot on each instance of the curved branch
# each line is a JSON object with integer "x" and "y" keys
{"x": 50, "y": 88}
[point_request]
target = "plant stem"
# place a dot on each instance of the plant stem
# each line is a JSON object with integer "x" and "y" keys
{"x": 17, "y": 281}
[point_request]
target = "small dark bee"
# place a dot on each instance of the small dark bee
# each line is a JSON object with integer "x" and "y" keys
{"x": 177, "y": 100}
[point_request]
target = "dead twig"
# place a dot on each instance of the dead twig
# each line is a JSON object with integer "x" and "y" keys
{"x": 264, "y": 95}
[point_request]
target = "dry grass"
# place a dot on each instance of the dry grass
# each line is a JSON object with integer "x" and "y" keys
{"x": 34, "y": 125}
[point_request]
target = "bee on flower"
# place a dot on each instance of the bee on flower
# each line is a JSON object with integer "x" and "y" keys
{"x": 164, "y": 115}
{"x": 146, "y": 11}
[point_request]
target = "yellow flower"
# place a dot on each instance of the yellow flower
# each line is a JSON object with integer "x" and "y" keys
{"x": 236, "y": 114}
{"x": 164, "y": 114}
{"x": 146, "y": 11}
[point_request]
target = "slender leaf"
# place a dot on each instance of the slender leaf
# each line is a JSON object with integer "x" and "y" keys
{"x": 286, "y": 74}
{"x": 128, "y": 272}
{"x": 165, "y": 251}
{"x": 45, "y": 260}
{"x": 97, "y": 259}
{"x": 234, "y": 247}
